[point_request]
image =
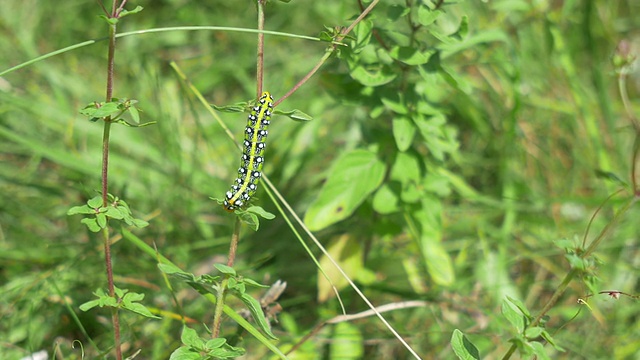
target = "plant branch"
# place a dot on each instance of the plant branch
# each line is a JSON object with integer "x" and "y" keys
{"x": 329, "y": 52}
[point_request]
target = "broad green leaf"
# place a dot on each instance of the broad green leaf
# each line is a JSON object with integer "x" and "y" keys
{"x": 84, "y": 209}
{"x": 353, "y": 177}
{"x": 533, "y": 332}
{"x": 92, "y": 224}
{"x": 373, "y": 75}
{"x": 258, "y": 210}
{"x": 185, "y": 353}
{"x": 249, "y": 218}
{"x": 215, "y": 343}
{"x": 427, "y": 16}
{"x": 403, "y": 132}
{"x": 101, "y": 220}
{"x": 437, "y": 260}
{"x": 362, "y": 33}
{"x": 347, "y": 251}
{"x": 462, "y": 347}
{"x": 385, "y": 201}
{"x": 410, "y": 55}
{"x": 227, "y": 270}
{"x": 114, "y": 213}
{"x": 135, "y": 114}
{"x": 138, "y": 309}
{"x": 396, "y": 103}
{"x": 106, "y": 109}
{"x": 406, "y": 170}
{"x": 190, "y": 337}
{"x": 347, "y": 342}
{"x": 520, "y": 305}
{"x": 511, "y": 312}
{"x": 95, "y": 202}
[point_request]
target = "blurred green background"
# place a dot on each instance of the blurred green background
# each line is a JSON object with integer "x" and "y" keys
{"x": 526, "y": 136}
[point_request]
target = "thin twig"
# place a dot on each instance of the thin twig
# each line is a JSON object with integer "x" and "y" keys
{"x": 360, "y": 315}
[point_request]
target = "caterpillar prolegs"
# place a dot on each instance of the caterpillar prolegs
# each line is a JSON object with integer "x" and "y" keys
{"x": 249, "y": 173}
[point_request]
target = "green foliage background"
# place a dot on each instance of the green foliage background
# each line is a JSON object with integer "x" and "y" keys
{"x": 493, "y": 140}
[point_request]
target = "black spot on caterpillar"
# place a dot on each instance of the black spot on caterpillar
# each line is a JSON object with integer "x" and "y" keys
{"x": 250, "y": 171}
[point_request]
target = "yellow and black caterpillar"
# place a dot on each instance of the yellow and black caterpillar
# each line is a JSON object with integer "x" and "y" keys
{"x": 250, "y": 169}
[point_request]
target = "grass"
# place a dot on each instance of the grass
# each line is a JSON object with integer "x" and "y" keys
{"x": 494, "y": 201}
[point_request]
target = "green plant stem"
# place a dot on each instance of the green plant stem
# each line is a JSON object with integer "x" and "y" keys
{"x": 233, "y": 247}
{"x": 260, "y": 60}
{"x": 105, "y": 186}
{"x": 217, "y": 316}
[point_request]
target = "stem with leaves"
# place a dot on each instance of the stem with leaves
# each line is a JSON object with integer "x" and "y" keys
{"x": 115, "y": 11}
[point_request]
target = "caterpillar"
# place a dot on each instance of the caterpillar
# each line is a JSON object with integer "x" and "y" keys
{"x": 250, "y": 171}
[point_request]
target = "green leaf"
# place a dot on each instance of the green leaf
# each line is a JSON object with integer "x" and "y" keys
{"x": 95, "y": 202}
{"x": 403, "y": 132}
{"x": 462, "y": 347}
{"x": 101, "y": 220}
{"x": 131, "y": 12}
{"x": 258, "y": 210}
{"x": 533, "y": 332}
{"x": 114, "y": 213}
{"x": 385, "y": 201}
{"x": 171, "y": 269}
{"x": 551, "y": 341}
{"x": 102, "y": 110}
{"x": 128, "y": 124}
{"x": 410, "y": 55}
{"x": 374, "y": 75}
{"x": 249, "y": 218}
{"x": 348, "y": 253}
{"x": 406, "y": 169}
{"x": 92, "y": 224}
{"x": 362, "y": 33}
{"x": 427, "y": 16}
{"x": 215, "y": 343}
{"x": 89, "y": 305}
{"x": 139, "y": 309}
{"x": 353, "y": 177}
{"x": 538, "y": 350}
{"x": 520, "y": 305}
{"x": 190, "y": 338}
{"x": 140, "y": 223}
{"x": 185, "y": 353}
{"x": 84, "y": 209}
{"x": 233, "y": 108}
{"x": 135, "y": 114}
{"x": 295, "y": 115}
{"x": 396, "y": 103}
{"x": 227, "y": 270}
{"x": 256, "y": 311}
{"x": 438, "y": 261}
{"x": 513, "y": 314}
